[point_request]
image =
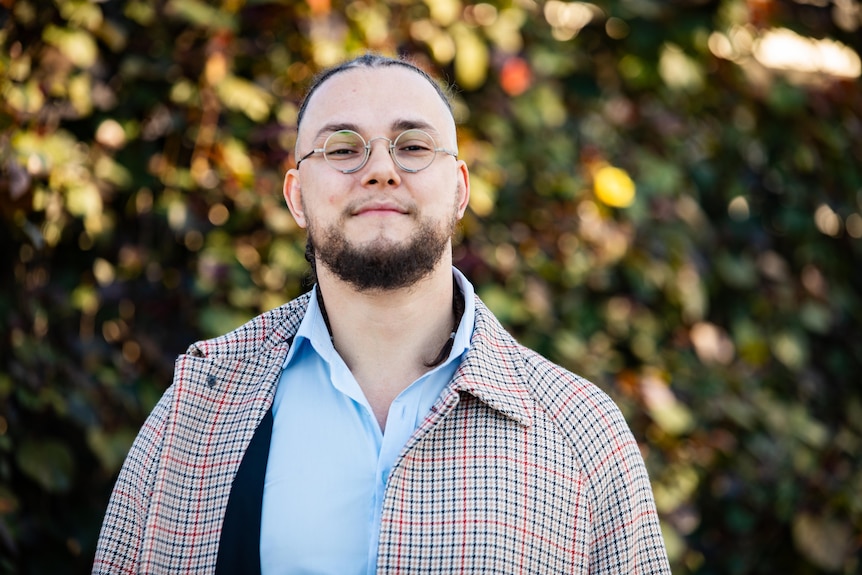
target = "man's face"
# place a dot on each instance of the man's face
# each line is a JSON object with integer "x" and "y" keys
{"x": 379, "y": 227}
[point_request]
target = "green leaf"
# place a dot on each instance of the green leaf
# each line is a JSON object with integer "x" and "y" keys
{"x": 110, "y": 448}
{"x": 48, "y": 462}
{"x": 826, "y": 541}
{"x": 201, "y": 14}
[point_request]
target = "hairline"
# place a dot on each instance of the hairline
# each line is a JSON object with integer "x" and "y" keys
{"x": 371, "y": 62}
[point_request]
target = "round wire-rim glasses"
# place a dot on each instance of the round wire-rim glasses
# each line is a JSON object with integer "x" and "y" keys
{"x": 347, "y": 151}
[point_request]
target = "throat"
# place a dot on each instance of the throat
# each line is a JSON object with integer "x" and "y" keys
{"x": 435, "y": 357}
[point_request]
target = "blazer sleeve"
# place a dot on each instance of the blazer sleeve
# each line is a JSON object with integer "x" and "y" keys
{"x": 626, "y": 534}
{"x": 121, "y": 536}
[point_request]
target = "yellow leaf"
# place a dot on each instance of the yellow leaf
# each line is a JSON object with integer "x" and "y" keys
{"x": 26, "y": 98}
{"x": 81, "y": 14}
{"x": 614, "y": 187}
{"x": 76, "y": 45}
{"x": 86, "y": 299}
{"x": 679, "y": 71}
{"x": 444, "y": 12}
{"x": 84, "y": 200}
{"x": 107, "y": 170}
{"x": 676, "y": 487}
{"x": 81, "y": 94}
{"x": 237, "y": 161}
{"x": 671, "y": 415}
{"x": 247, "y": 97}
{"x": 482, "y": 195}
{"x": 471, "y": 58}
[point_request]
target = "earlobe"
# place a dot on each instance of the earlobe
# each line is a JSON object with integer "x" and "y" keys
{"x": 293, "y": 196}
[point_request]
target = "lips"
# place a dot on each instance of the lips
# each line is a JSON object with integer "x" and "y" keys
{"x": 378, "y": 207}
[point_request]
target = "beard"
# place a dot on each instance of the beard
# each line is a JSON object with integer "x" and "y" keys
{"x": 380, "y": 264}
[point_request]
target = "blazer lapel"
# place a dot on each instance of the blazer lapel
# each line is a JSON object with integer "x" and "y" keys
{"x": 218, "y": 405}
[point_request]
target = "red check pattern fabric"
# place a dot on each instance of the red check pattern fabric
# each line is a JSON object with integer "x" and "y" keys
{"x": 521, "y": 466}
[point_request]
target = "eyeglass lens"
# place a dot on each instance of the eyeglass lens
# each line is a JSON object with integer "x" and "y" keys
{"x": 346, "y": 150}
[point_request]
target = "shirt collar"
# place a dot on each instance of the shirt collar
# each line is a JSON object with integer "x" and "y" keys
{"x": 464, "y": 333}
{"x": 313, "y": 331}
{"x": 492, "y": 368}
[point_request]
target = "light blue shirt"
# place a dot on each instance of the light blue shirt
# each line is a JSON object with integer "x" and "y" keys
{"x": 328, "y": 459}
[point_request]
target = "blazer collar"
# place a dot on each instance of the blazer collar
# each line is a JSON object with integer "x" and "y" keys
{"x": 493, "y": 369}
{"x": 266, "y": 332}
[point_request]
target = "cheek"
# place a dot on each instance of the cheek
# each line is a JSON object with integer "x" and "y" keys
{"x": 323, "y": 196}
{"x": 332, "y": 191}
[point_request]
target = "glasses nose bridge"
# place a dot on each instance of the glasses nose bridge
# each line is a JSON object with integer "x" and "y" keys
{"x": 390, "y": 147}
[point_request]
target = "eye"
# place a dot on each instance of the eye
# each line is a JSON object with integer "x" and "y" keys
{"x": 343, "y": 146}
{"x": 414, "y": 142}
{"x": 414, "y": 147}
{"x": 341, "y": 149}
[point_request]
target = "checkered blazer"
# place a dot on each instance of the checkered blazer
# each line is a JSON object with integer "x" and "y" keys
{"x": 520, "y": 467}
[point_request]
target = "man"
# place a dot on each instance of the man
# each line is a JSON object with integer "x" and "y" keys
{"x": 385, "y": 422}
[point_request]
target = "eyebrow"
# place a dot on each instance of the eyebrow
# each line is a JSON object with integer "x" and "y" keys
{"x": 335, "y": 127}
{"x": 395, "y": 127}
{"x": 406, "y": 124}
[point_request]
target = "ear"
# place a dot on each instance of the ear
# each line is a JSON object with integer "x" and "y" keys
{"x": 293, "y": 196}
{"x": 463, "y": 188}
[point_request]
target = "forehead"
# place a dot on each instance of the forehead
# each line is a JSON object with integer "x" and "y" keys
{"x": 375, "y": 99}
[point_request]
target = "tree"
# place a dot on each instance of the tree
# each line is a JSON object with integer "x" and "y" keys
{"x": 663, "y": 201}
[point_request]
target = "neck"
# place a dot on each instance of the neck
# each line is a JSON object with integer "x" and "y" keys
{"x": 372, "y": 321}
{"x": 389, "y": 338}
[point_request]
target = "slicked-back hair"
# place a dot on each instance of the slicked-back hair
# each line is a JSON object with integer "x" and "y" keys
{"x": 368, "y": 61}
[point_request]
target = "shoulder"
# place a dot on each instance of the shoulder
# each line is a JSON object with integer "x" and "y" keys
{"x": 564, "y": 404}
{"x": 258, "y": 335}
{"x": 579, "y": 409}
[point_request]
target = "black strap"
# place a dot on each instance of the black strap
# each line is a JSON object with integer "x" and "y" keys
{"x": 239, "y": 545}
{"x": 458, "y": 306}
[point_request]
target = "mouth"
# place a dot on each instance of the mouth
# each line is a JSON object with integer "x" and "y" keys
{"x": 379, "y": 208}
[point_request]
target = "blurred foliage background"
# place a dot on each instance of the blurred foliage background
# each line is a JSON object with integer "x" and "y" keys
{"x": 667, "y": 199}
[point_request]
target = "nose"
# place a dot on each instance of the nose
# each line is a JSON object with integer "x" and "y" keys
{"x": 380, "y": 166}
